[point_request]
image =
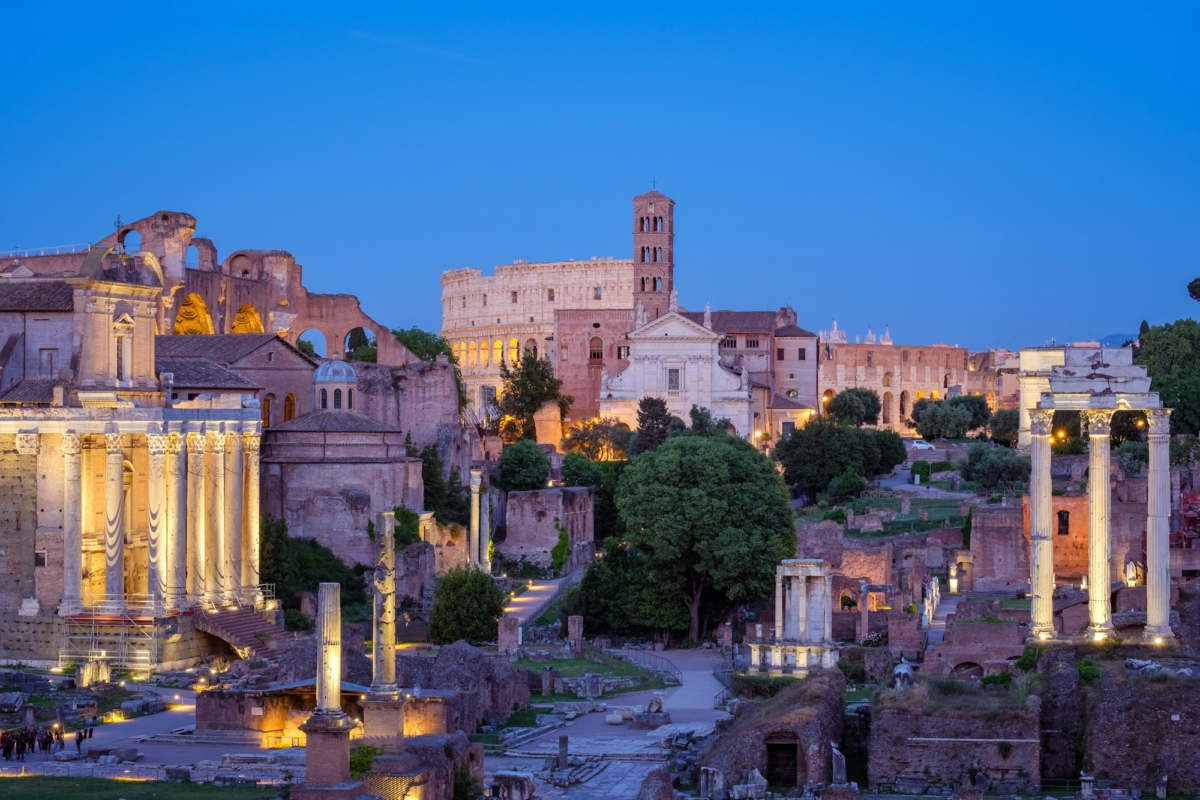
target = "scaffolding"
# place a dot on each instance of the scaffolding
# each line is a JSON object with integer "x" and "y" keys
{"x": 124, "y": 637}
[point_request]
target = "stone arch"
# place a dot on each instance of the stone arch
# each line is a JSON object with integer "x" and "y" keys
{"x": 289, "y": 407}
{"x": 192, "y": 317}
{"x": 247, "y": 320}
{"x": 129, "y": 240}
{"x": 905, "y": 408}
{"x": 531, "y": 347}
{"x": 472, "y": 355}
{"x": 514, "y": 350}
{"x": 357, "y": 338}
{"x": 967, "y": 669}
{"x": 242, "y": 266}
{"x": 887, "y": 379}
{"x": 946, "y": 381}
{"x": 484, "y": 354}
{"x": 497, "y": 353}
{"x": 934, "y": 395}
{"x": 887, "y": 408}
{"x": 313, "y": 342}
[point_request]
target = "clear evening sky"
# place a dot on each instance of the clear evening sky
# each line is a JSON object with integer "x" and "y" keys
{"x": 981, "y": 174}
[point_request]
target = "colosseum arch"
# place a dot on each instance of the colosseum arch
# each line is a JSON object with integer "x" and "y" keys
{"x": 247, "y": 320}
{"x": 193, "y": 318}
{"x": 887, "y": 408}
{"x": 129, "y": 240}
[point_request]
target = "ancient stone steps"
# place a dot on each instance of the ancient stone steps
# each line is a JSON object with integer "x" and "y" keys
{"x": 240, "y": 629}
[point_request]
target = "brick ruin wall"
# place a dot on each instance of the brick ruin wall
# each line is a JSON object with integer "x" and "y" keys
{"x": 1141, "y": 729}
{"x": 533, "y": 519}
{"x": 999, "y": 549}
{"x": 18, "y": 523}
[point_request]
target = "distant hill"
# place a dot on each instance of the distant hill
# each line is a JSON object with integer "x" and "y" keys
{"x": 1117, "y": 339}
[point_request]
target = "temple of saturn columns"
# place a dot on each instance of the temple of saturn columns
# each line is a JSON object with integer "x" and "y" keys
{"x": 1096, "y": 382}
{"x": 802, "y": 639}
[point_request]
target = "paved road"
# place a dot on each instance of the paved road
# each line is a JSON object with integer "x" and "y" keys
{"x": 530, "y": 604}
{"x": 937, "y": 628}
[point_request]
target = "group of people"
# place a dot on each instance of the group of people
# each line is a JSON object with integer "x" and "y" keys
{"x": 24, "y": 741}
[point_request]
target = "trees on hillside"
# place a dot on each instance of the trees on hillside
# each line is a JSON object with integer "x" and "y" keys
{"x": 943, "y": 421}
{"x": 527, "y": 386}
{"x": 994, "y": 466}
{"x": 822, "y": 450}
{"x": 707, "y": 513}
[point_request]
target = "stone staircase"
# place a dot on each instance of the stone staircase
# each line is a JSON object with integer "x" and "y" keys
{"x": 242, "y": 629}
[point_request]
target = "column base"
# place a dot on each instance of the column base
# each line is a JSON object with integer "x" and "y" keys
{"x": 69, "y": 608}
{"x": 1158, "y": 634}
{"x": 1098, "y": 633}
{"x": 1042, "y": 634}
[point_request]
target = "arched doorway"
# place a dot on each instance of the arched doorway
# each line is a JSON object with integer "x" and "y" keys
{"x": 484, "y": 355}
{"x": 514, "y": 351}
{"x": 247, "y": 320}
{"x": 497, "y": 353}
{"x": 887, "y": 408}
{"x": 312, "y": 343}
{"x": 887, "y": 379}
{"x": 825, "y": 398}
{"x": 193, "y": 318}
{"x": 289, "y": 407}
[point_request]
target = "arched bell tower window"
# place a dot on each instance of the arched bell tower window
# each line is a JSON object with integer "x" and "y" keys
{"x": 324, "y": 398}
{"x": 337, "y": 399}
{"x": 350, "y": 399}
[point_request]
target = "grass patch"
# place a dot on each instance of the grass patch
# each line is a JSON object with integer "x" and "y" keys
{"x": 605, "y": 665}
{"x": 527, "y": 717}
{"x": 38, "y": 788}
{"x": 1016, "y": 604}
{"x": 860, "y": 694}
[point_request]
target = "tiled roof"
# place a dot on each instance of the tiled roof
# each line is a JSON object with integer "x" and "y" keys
{"x": 35, "y": 390}
{"x": 334, "y": 422}
{"x": 793, "y": 332}
{"x": 224, "y": 348}
{"x": 781, "y": 402}
{"x": 201, "y": 373}
{"x": 25, "y": 295}
{"x": 736, "y": 321}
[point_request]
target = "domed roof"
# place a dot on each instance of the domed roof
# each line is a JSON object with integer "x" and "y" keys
{"x": 335, "y": 371}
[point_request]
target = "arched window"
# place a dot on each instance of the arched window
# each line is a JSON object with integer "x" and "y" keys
{"x": 324, "y": 398}
{"x": 350, "y": 399}
{"x": 531, "y": 347}
{"x": 471, "y": 355}
{"x": 266, "y": 411}
{"x": 514, "y": 351}
{"x": 497, "y": 353}
{"x": 596, "y": 349}
{"x": 887, "y": 379}
{"x": 289, "y": 407}
{"x": 337, "y": 399}
{"x": 1064, "y": 523}
{"x": 483, "y": 354}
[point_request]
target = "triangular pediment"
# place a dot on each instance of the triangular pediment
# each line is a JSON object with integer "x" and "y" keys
{"x": 673, "y": 326}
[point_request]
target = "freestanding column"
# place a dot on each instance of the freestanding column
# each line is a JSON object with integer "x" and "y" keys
{"x": 485, "y": 531}
{"x": 1158, "y": 576}
{"x": 250, "y": 535}
{"x": 800, "y": 612}
{"x": 177, "y": 549}
{"x": 473, "y": 537}
{"x": 778, "y": 603}
{"x": 214, "y": 547}
{"x": 1099, "y": 543}
{"x": 157, "y": 543}
{"x": 384, "y": 663}
{"x": 329, "y": 648}
{"x": 72, "y": 602}
{"x": 826, "y": 599}
{"x": 196, "y": 550}
{"x": 1041, "y": 560}
{"x": 114, "y": 523}
{"x": 233, "y": 514}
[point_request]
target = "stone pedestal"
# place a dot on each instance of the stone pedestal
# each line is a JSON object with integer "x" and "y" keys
{"x": 327, "y": 759}
{"x": 575, "y": 635}
{"x": 383, "y": 723}
{"x": 509, "y": 637}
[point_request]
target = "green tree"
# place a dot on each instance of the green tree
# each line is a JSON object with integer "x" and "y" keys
{"x": 523, "y": 467}
{"x": 408, "y": 527}
{"x": 939, "y": 420}
{"x": 425, "y": 345}
{"x": 993, "y": 466}
{"x": 892, "y": 451}
{"x": 1171, "y": 355}
{"x": 871, "y": 404}
{"x": 600, "y": 439}
{"x": 707, "y": 512}
{"x": 703, "y": 423}
{"x": 561, "y": 550}
{"x": 822, "y": 450}
{"x": 918, "y": 409}
{"x": 654, "y": 425}
{"x": 273, "y": 553}
{"x": 306, "y": 347}
{"x": 1194, "y": 289}
{"x": 467, "y": 606}
{"x": 846, "y": 408}
{"x": 1128, "y": 426}
{"x": 976, "y": 406}
{"x": 1004, "y": 426}
{"x": 577, "y": 470}
{"x": 1132, "y": 456}
{"x": 846, "y": 486}
{"x": 528, "y": 386}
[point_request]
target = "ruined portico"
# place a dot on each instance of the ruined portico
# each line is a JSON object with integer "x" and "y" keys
{"x": 802, "y": 639}
{"x": 1097, "y": 382}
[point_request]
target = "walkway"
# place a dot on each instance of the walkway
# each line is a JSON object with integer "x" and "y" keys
{"x": 937, "y": 628}
{"x": 532, "y": 603}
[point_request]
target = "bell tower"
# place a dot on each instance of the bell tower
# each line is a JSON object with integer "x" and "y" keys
{"x": 653, "y": 252}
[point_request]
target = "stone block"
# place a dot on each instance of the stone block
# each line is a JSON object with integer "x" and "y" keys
{"x": 614, "y": 719}
{"x": 508, "y": 638}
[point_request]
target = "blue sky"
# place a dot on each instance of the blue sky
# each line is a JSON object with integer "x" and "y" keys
{"x": 981, "y": 174}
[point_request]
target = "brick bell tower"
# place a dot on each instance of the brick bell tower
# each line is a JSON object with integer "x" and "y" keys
{"x": 653, "y": 252}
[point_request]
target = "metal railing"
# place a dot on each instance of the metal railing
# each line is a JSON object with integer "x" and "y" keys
{"x": 53, "y": 250}
{"x": 652, "y": 661}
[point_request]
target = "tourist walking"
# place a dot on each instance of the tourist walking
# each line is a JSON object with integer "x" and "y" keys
{"x": 6, "y": 745}
{"x": 79, "y": 741}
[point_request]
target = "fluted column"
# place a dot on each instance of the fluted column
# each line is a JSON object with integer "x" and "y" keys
{"x": 329, "y": 648}
{"x": 779, "y": 606}
{"x": 157, "y": 541}
{"x": 473, "y": 536}
{"x": 214, "y": 498}
{"x": 114, "y": 522}
{"x": 1041, "y": 559}
{"x": 250, "y": 515}
{"x": 1099, "y": 543}
{"x": 1158, "y": 576}
{"x": 197, "y": 551}
{"x": 384, "y": 586}
{"x": 72, "y": 602}
{"x": 177, "y": 549}
{"x": 800, "y": 601}
{"x": 234, "y": 487}
{"x": 827, "y": 599}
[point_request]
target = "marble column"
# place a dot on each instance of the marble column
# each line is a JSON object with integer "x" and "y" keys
{"x": 177, "y": 549}
{"x": 384, "y": 584}
{"x": 72, "y": 602}
{"x": 778, "y": 606}
{"x": 1158, "y": 495}
{"x": 250, "y": 515}
{"x": 473, "y": 536}
{"x": 197, "y": 552}
{"x": 425, "y": 525}
{"x": 1041, "y": 559}
{"x": 329, "y": 648}
{"x": 233, "y": 514}
{"x": 485, "y": 531}
{"x": 1099, "y": 541}
{"x": 214, "y": 528}
{"x": 800, "y": 612}
{"x": 157, "y": 541}
{"x": 114, "y": 522}
{"x": 827, "y": 598}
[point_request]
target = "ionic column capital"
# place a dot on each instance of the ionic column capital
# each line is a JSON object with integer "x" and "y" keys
{"x": 1099, "y": 422}
{"x": 1041, "y": 421}
{"x": 1158, "y": 421}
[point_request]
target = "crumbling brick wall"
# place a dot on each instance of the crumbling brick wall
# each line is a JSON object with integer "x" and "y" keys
{"x": 18, "y": 523}
{"x": 999, "y": 548}
{"x": 534, "y": 518}
{"x": 824, "y": 540}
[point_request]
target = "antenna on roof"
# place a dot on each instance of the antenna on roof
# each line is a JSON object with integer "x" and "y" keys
{"x": 117, "y": 224}
{"x": 653, "y": 183}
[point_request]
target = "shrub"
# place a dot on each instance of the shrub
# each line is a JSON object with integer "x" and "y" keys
{"x": 920, "y": 467}
{"x": 758, "y": 686}
{"x": 562, "y": 550}
{"x": 1029, "y": 658}
{"x": 998, "y": 679}
{"x": 849, "y": 602}
{"x": 847, "y": 485}
{"x": 523, "y": 467}
{"x": 466, "y": 785}
{"x": 943, "y": 466}
{"x": 361, "y": 758}
{"x": 1088, "y": 670}
{"x": 911, "y": 608}
{"x": 1132, "y": 456}
{"x": 877, "y": 639}
{"x": 408, "y": 527}
{"x": 837, "y": 515}
{"x": 467, "y": 605}
{"x": 992, "y": 466}
{"x": 296, "y": 620}
{"x": 855, "y": 673}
